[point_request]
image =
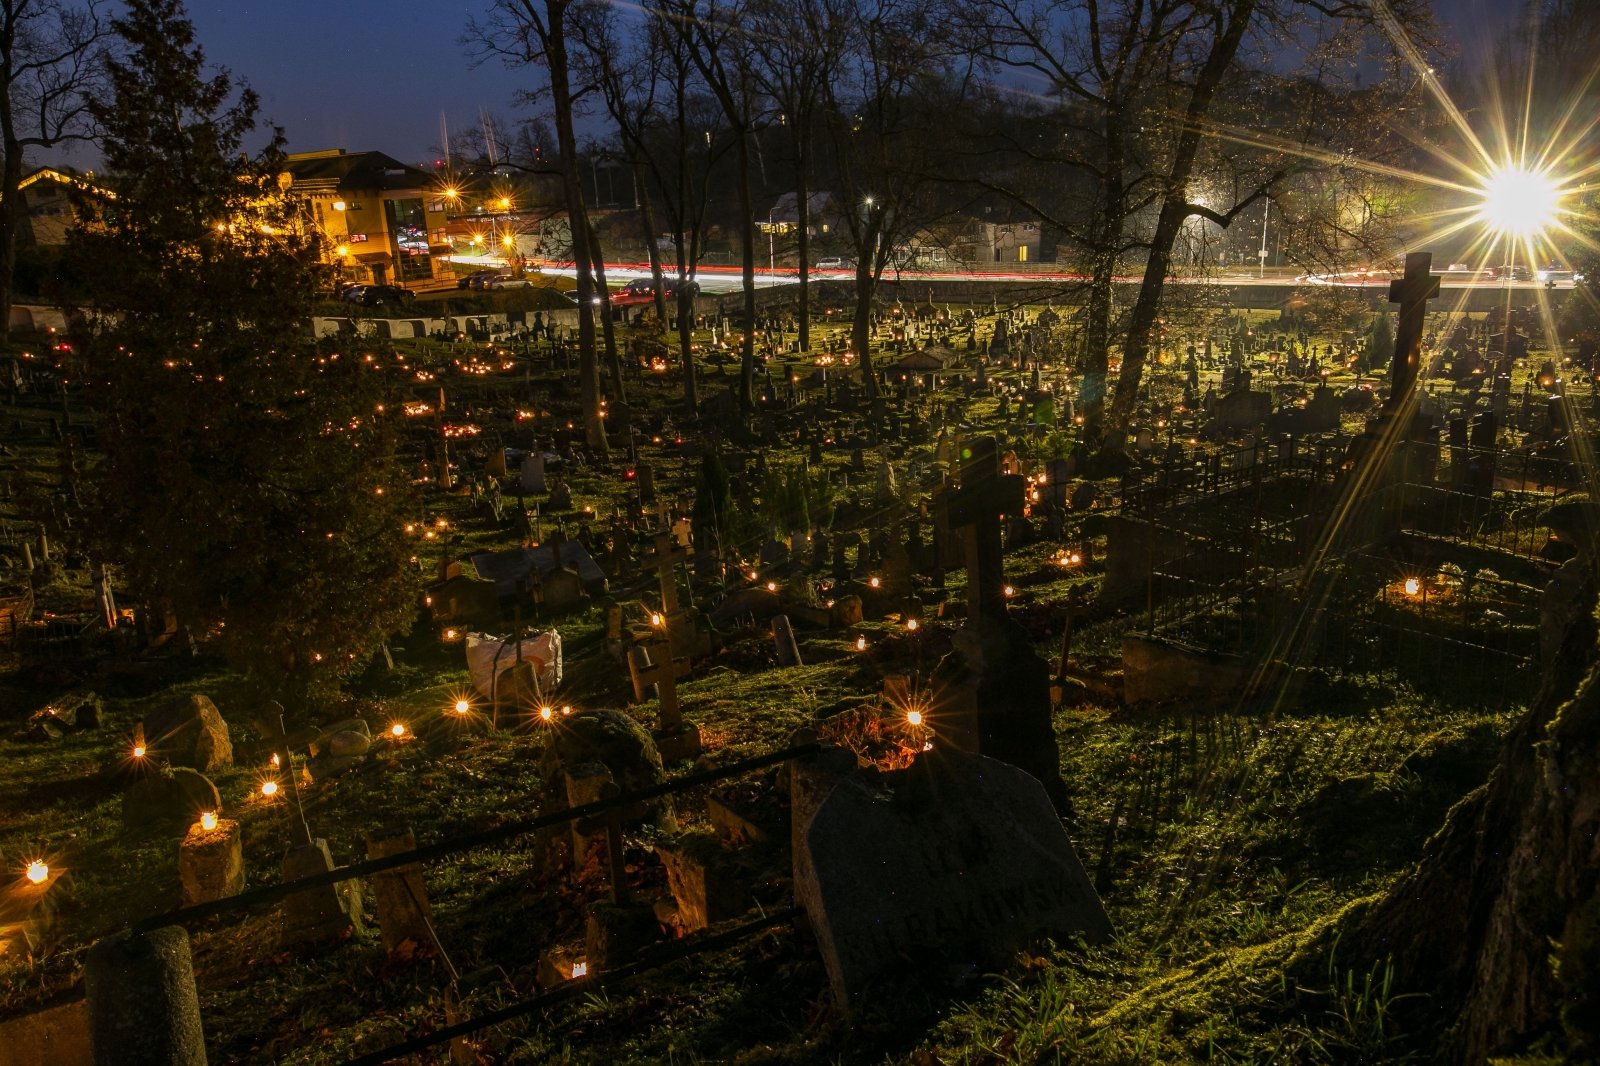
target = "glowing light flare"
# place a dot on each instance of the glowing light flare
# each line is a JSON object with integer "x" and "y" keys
{"x": 1413, "y": 586}
{"x": 914, "y": 718}
{"x": 1519, "y": 202}
{"x": 580, "y": 969}
{"x": 397, "y": 730}
{"x": 547, "y": 714}
{"x": 138, "y": 751}
{"x": 208, "y": 820}
{"x": 38, "y": 872}
{"x": 269, "y": 788}
{"x": 463, "y": 706}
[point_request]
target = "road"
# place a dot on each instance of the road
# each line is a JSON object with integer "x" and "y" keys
{"x": 724, "y": 279}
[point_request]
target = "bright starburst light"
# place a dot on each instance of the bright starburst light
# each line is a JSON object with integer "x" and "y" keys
{"x": 1520, "y": 202}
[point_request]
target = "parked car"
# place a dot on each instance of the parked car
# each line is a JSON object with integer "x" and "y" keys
{"x": 1512, "y": 271}
{"x": 477, "y": 279}
{"x": 833, "y": 263}
{"x": 380, "y": 295}
{"x": 508, "y": 281}
{"x": 351, "y": 294}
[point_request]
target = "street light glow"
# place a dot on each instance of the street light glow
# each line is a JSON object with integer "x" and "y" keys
{"x": 1519, "y": 202}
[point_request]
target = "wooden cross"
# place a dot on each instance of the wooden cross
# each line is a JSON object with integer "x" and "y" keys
{"x": 1412, "y": 292}
{"x": 665, "y": 555}
{"x": 663, "y": 673}
{"x": 984, "y": 497}
{"x": 273, "y": 720}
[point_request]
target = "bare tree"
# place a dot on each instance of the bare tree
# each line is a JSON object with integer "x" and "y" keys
{"x": 50, "y": 69}
{"x": 534, "y": 33}
{"x": 716, "y": 43}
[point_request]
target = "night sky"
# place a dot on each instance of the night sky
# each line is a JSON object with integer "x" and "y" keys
{"x": 375, "y": 74}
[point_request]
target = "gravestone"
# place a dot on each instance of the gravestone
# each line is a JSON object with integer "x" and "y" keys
{"x": 325, "y": 912}
{"x": 1322, "y": 411}
{"x": 532, "y": 474}
{"x": 959, "y": 859}
{"x": 1243, "y": 409}
{"x": 994, "y": 690}
{"x": 655, "y": 665}
{"x": 562, "y": 589}
{"x": 169, "y": 797}
{"x": 189, "y": 731}
{"x": 211, "y": 862}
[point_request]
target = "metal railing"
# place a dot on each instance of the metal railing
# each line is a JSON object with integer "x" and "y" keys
{"x": 498, "y": 834}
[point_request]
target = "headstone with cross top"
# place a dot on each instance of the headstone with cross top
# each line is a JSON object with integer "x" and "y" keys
{"x": 1412, "y": 292}
{"x": 666, "y": 555}
{"x": 653, "y": 664}
{"x": 981, "y": 501}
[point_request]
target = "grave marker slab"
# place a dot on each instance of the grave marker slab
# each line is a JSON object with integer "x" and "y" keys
{"x": 958, "y": 860}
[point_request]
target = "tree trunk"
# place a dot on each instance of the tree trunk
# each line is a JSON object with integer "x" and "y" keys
{"x": 647, "y": 219}
{"x": 802, "y": 211}
{"x": 609, "y": 316}
{"x": 10, "y": 214}
{"x": 861, "y": 331}
{"x": 1499, "y": 923}
{"x": 594, "y": 427}
{"x": 747, "y": 249}
{"x": 1174, "y": 211}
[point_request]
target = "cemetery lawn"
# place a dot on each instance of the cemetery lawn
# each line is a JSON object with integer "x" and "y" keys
{"x": 1222, "y": 845}
{"x": 1225, "y": 844}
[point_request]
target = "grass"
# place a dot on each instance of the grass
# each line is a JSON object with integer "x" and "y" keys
{"x": 1225, "y": 845}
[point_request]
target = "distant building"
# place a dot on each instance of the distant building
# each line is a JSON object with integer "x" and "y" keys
{"x": 784, "y": 215}
{"x": 47, "y": 212}
{"x": 383, "y": 220}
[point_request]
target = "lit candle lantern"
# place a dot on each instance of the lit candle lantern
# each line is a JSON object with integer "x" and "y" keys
{"x": 38, "y": 871}
{"x": 861, "y": 644}
{"x": 1413, "y": 586}
{"x": 874, "y": 582}
{"x": 462, "y": 706}
{"x": 138, "y": 751}
{"x": 397, "y": 730}
{"x": 911, "y": 624}
{"x": 655, "y": 618}
{"x": 547, "y": 713}
{"x": 914, "y": 717}
{"x": 772, "y": 586}
{"x": 269, "y": 788}
{"x": 580, "y": 969}
{"x": 208, "y": 820}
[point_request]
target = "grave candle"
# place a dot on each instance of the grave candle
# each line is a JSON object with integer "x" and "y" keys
{"x": 38, "y": 871}
{"x": 269, "y": 788}
{"x": 1413, "y": 586}
{"x": 861, "y": 644}
{"x": 208, "y": 820}
{"x": 547, "y": 714}
{"x": 463, "y": 706}
{"x": 911, "y": 624}
{"x": 914, "y": 718}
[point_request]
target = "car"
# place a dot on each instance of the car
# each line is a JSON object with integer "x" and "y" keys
{"x": 379, "y": 295}
{"x": 642, "y": 291}
{"x": 351, "y": 294}
{"x": 476, "y": 279}
{"x": 1512, "y": 272}
{"x": 508, "y": 281}
{"x": 1553, "y": 276}
{"x": 832, "y": 263}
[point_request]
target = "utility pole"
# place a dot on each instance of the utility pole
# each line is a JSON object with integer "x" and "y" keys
{"x": 1266, "y": 211}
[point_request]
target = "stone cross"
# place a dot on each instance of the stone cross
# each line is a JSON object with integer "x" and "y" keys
{"x": 981, "y": 501}
{"x": 273, "y": 720}
{"x": 646, "y": 671}
{"x": 666, "y": 555}
{"x": 1412, "y": 292}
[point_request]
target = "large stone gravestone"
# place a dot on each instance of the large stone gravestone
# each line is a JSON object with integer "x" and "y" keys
{"x": 958, "y": 860}
{"x": 1243, "y": 409}
{"x": 189, "y": 731}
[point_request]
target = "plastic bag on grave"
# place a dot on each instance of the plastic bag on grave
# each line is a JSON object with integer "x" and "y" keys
{"x": 489, "y": 657}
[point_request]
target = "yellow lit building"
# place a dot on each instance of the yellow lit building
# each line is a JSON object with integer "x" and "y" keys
{"x": 383, "y": 220}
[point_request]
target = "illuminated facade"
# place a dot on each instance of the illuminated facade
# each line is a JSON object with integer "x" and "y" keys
{"x": 382, "y": 219}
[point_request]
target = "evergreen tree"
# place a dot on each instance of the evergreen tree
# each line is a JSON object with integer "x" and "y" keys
{"x": 250, "y": 479}
{"x": 1380, "y": 342}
